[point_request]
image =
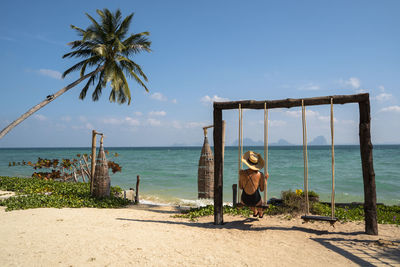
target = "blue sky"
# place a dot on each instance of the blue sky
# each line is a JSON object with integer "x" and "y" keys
{"x": 205, "y": 51}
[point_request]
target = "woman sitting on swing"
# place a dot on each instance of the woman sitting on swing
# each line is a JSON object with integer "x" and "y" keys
{"x": 251, "y": 180}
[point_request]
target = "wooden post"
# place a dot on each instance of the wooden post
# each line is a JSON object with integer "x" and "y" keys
{"x": 93, "y": 160}
{"x": 137, "y": 190}
{"x": 371, "y": 225}
{"x": 234, "y": 192}
{"x": 223, "y": 139}
{"x": 218, "y": 167}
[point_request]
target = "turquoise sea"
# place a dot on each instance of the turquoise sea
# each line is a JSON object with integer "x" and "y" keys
{"x": 169, "y": 174}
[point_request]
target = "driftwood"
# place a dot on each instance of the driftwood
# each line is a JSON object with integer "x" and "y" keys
{"x": 82, "y": 171}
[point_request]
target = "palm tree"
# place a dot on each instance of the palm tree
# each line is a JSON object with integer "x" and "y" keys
{"x": 105, "y": 49}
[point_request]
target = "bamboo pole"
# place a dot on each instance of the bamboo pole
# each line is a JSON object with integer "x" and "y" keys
{"x": 93, "y": 160}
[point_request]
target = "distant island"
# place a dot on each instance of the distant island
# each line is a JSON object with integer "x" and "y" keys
{"x": 318, "y": 141}
{"x": 251, "y": 142}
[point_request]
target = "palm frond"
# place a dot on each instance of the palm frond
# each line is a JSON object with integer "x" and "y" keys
{"x": 104, "y": 44}
{"x": 84, "y": 90}
{"x": 124, "y": 27}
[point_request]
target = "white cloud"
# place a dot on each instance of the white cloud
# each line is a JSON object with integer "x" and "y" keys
{"x": 194, "y": 124}
{"x": 174, "y": 101}
{"x": 82, "y": 119}
{"x": 40, "y": 117}
{"x": 6, "y": 38}
{"x": 50, "y": 73}
{"x": 297, "y": 113}
{"x": 276, "y": 123}
{"x": 354, "y": 82}
{"x": 361, "y": 91}
{"x": 273, "y": 123}
{"x": 309, "y": 87}
{"x": 153, "y": 122}
{"x": 391, "y": 109}
{"x": 326, "y": 118}
{"x": 188, "y": 125}
{"x": 176, "y": 125}
{"x": 112, "y": 121}
{"x": 116, "y": 121}
{"x": 89, "y": 126}
{"x": 383, "y": 97}
{"x": 159, "y": 97}
{"x": 349, "y": 122}
{"x": 138, "y": 113}
{"x": 157, "y": 113}
{"x": 207, "y": 100}
{"x": 382, "y": 88}
{"x": 66, "y": 118}
{"x": 131, "y": 121}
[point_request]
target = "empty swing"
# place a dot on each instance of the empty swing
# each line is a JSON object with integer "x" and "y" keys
{"x": 332, "y": 219}
{"x": 240, "y": 153}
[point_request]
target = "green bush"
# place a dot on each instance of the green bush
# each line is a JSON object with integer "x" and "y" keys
{"x": 208, "y": 210}
{"x": 37, "y": 193}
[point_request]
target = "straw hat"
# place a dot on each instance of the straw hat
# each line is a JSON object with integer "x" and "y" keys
{"x": 253, "y": 160}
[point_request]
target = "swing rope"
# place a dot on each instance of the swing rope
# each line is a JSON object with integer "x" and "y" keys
{"x": 305, "y": 156}
{"x": 333, "y": 164}
{"x": 240, "y": 149}
{"x": 265, "y": 150}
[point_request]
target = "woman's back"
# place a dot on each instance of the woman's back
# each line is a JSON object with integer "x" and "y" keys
{"x": 251, "y": 180}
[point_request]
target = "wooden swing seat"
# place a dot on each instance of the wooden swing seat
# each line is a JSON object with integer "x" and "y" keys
{"x": 331, "y": 220}
{"x": 240, "y": 205}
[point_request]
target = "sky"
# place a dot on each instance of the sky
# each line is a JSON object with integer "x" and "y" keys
{"x": 205, "y": 51}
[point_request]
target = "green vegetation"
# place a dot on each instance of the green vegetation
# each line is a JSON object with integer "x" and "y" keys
{"x": 293, "y": 204}
{"x": 208, "y": 210}
{"x": 37, "y": 193}
{"x": 65, "y": 169}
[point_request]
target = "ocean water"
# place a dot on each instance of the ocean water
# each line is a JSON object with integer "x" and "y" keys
{"x": 169, "y": 174}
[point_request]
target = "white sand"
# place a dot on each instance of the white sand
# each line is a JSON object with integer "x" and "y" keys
{"x": 149, "y": 236}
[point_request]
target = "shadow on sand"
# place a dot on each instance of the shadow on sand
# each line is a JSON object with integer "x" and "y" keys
{"x": 360, "y": 251}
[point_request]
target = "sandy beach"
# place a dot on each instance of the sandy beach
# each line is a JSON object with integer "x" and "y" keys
{"x": 146, "y": 235}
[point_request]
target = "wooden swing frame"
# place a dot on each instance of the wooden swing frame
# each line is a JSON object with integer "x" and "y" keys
{"x": 371, "y": 225}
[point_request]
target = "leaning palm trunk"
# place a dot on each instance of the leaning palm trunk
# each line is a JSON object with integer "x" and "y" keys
{"x": 49, "y": 99}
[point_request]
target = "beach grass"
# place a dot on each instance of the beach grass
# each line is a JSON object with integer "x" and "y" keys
{"x": 293, "y": 205}
{"x": 37, "y": 193}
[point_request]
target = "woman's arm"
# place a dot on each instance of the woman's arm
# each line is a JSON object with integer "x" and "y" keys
{"x": 263, "y": 181}
{"x": 241, "y": 175}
